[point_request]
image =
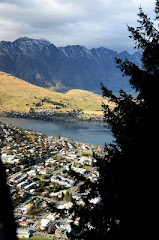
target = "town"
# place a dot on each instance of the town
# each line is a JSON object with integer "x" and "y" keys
{"x": 38, "y": 174}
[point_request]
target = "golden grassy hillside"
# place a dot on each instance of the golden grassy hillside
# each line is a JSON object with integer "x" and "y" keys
{"x": 18, "y": 95}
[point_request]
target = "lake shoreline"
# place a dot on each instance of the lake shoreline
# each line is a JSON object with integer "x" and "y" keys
{"x": 49, "y": 116}
{"x": 83, "y": 131}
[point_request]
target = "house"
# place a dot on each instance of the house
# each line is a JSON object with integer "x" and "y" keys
{"x": 50, "y": 161}
{"x": 66, "y": 227}
{"x": 32, "y": 172}
{"x": 22, "y": 223}
{"x": 15, "y": 177}
{"x": 12, "y": 191}
{"x": 21, "y": 232}
{"x": 7, "y": 158}
{"x": 30, "y": 186}
{"x": 20, "y": 178}
{"x": 76, "y": 222}
{"x": 45, "y": 223}
{"x": 16, "y": 160}
{"x": 22, "y": 184}
{"x": 79, "y": 170}
{"x": 95, "y": 200}
{"x": 85, "y": 160}
{"x": 67, "y": 205}
{"x": 32, "y": 190}
{"x": 43, "y": 171}
{"x": 25, "y": 209}
{"x": 94, "y": 176}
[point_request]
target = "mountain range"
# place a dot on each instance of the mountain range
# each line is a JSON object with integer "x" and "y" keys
{"x": 43, "y": 64}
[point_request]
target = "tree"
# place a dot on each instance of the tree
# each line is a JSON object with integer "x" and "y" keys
{"x": 127, "y": 171}
{"x": 7, "y": 223}
{"x": 68, "y": 196}
{"x": 134, "y": 123}
{"x": 99, "y": 220}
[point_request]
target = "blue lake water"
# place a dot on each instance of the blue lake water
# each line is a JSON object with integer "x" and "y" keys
{"x": 88, "y": 132}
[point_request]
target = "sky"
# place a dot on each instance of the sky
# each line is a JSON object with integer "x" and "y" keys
{"x": 91, "y": 23}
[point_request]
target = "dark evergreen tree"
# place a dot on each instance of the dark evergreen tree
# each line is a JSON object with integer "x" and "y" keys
{"x": 100, "y": 219}
{"x": 134, "y": 124}
{"x": 7, "y": 223}
{"x": 127, "y": 171}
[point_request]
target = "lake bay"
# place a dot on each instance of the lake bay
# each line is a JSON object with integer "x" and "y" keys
{"x": 82, "y": 131}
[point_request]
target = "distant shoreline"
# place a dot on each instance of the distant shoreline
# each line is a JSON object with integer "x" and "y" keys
{"x": 49, "y": 116}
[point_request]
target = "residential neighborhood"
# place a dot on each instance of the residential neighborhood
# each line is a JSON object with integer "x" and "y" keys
{"x": 38, "y": 174}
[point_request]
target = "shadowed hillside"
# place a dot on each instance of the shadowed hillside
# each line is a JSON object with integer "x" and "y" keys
{"x": 72, "y": 67}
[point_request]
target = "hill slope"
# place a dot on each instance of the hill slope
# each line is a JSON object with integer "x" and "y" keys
{"x": 18, "y": 95}
{"x": 43, "y": 64}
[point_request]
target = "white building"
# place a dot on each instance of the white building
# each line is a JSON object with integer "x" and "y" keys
{"x": 96, "y": 200}
{"x": 50, "y": 161}
{"x": 67, "y": 205}
{"x": 79, "y": 170}
{"x": 21, "y": 232}
{"x": 32, "y": 172}
{"x": 30, "y": 186}
{"x": 86, "y": 160}
{"x": 7, "y": 158}
{"x": 45, "y": 223}
{"x": 22, "y": 184}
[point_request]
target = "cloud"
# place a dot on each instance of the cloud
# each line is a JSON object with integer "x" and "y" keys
{"x": 66, "y": 22}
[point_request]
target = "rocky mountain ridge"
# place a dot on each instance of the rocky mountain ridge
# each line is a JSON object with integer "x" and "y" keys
{"x": 42, "y": 63}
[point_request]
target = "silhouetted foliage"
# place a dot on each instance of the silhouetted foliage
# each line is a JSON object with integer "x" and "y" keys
{"x": 100, "y": 219}
{"x": 127, "y": 172}
{"x": 134, "y": 123}
{"x": 7, "y": 223}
